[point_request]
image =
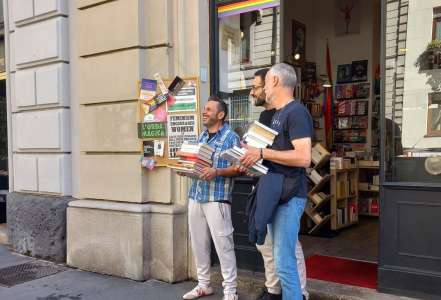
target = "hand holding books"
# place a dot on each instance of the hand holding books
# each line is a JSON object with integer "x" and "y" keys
{"x": 194, "y": 161}
{"x": 249, "y": 157}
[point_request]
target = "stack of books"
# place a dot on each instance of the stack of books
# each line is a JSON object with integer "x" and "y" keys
{"x": 259, "y": 135}
{"x": 234, "y": 154}
{"x": 193, "y": 159}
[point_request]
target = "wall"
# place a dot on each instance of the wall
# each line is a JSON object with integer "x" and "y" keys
{"x": 38, "y": 88}
{"x": 417, "y": 85}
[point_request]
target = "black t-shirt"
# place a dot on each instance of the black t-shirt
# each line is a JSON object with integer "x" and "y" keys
{"x": 266, "y": 116}
{"x": 292, "y": 122}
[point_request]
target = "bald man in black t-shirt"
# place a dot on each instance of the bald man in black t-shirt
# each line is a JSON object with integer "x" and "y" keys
{"x": 272, "y": 282}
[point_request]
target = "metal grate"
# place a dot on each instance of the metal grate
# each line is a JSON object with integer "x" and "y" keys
{"x": 17, "y": 274}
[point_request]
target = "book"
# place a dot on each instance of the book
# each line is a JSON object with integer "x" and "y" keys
{"x": 264, "y": 132}
{"x": 148, "y": 89}
{"x": 193, "y": 158}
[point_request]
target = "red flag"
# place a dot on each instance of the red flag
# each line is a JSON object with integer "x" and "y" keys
{"x": 329, "y": 101}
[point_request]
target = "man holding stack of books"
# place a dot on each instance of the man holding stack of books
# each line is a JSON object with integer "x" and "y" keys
{"x": 272, "y": 283}
{"x": 288, "y": 156}
{"x": 209, "y": 208}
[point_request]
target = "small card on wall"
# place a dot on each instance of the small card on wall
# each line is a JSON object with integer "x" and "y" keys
{"x": 159, "y": 148}
{"x": 149, "y": 148}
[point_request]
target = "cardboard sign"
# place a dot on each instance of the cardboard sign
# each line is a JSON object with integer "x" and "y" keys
{"x": 152, "y": 130}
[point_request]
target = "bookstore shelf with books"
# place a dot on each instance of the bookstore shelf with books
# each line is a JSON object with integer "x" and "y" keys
{"x": 369, "y": 187}
{"x": 344, "y": 192}
{"x": 318, "y": 196}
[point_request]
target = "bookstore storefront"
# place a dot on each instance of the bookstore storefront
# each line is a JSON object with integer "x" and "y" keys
{"x": 369, "y": 73}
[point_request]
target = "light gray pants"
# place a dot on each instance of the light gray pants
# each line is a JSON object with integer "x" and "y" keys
{"x": 213, "y": 219}
{"x": 272, "y": 282}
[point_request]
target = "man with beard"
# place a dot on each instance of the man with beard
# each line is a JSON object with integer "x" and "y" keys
{"x": 272, "y": 282}
{"x": 209, "y": 205}
{"x": 289, "y": 155}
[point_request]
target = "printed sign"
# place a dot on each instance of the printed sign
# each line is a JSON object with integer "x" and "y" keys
{"x": 181, "y": 128}
{"x": 152, "y": 130}
{"x": 185, "y": 100}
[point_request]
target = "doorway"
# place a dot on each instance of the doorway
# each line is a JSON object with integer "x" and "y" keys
{"x": 334, "y": 47}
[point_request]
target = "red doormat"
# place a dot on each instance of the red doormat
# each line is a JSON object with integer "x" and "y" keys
{"x": 340, "y": 270}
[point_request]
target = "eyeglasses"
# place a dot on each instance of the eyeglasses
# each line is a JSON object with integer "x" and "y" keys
{"x": 255, "y": 88}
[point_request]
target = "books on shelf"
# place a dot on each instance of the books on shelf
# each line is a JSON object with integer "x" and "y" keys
{"x": 233, "y": 155}
{"x": 314, "y": 176}
{"x": 193, "y": 159}
{"x": 259, "y": 135}
{"x": 318, "y": 198}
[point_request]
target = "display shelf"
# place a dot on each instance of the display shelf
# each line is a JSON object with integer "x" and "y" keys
{"x": 344, "y": 181}
{"x": 320, "y": 225}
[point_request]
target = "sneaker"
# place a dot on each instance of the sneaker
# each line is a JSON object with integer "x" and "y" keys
{"x": 198, "y": 292}
{"x": 231, "y": 297}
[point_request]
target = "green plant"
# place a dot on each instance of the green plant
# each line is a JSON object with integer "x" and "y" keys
{"x": 434, "y": 45}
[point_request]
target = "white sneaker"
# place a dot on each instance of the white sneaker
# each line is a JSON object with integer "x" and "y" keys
{"x": 231, "y": 297}
{"x": 198, "y": 292}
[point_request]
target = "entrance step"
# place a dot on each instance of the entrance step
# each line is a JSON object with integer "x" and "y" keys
{"x": 252, "y": 285}
{"x": 4, "y": 234}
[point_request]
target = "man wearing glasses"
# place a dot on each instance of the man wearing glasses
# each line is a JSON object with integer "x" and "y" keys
{"x": 272, "y": 283}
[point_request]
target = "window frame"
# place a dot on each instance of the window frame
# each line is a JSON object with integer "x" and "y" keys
{"x": 436, "y": 18}
{"x": 430, "y": 131}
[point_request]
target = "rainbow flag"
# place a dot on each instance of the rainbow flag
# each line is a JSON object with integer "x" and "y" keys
{"x": 245, "y": 6}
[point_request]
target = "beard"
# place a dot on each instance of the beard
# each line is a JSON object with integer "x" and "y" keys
{"x": 259, "y": 101}
{"x": 209, "y": 122}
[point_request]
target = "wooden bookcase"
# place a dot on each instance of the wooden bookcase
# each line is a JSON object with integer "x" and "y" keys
{"x": 368, "y": 188}
{"x": 344, "y": 197}
{"x": 318, "y": 196}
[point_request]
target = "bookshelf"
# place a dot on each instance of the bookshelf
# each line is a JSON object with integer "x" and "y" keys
{"x": 369, "y": 188}
{"x": 344, "y": 195}
{"x": 318, "y": 196}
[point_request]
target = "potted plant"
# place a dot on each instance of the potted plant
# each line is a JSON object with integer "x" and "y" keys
{"x": 433, "y": 50}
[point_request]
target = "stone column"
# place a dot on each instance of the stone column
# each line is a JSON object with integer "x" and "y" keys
{"x": 36, "y": 35}
{"x": 130, "y": 222}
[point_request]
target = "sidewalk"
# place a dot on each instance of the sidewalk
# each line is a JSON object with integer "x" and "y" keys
{"x": 74, "y": 284}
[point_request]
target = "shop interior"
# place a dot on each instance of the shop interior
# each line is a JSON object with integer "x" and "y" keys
{"x": 335, "y": 49}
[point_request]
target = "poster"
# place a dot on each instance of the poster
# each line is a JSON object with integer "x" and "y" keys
{"x": 181, "y": 128}
{"x": 344, "y": 73}
{"x": 359, "y": 70}
{"x": 185, "y": 100}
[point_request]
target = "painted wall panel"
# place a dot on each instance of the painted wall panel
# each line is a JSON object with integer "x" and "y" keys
{"x": 50, "y": 6}
{"x": 22, "y": 9}
{"x": 25, "y": 173}
{"x": 54, "y": 174}
{"x": 43, "y": 130}
{"x": 24, "y": 86}
{"x": 52, "y": 84}
{"x": 46, "y": 40}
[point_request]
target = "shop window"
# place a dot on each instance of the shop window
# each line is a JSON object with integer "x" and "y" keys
{"x": 412, "y": 146}
{"x": 434, "y": 115}
{"x": 248, "y": 41}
